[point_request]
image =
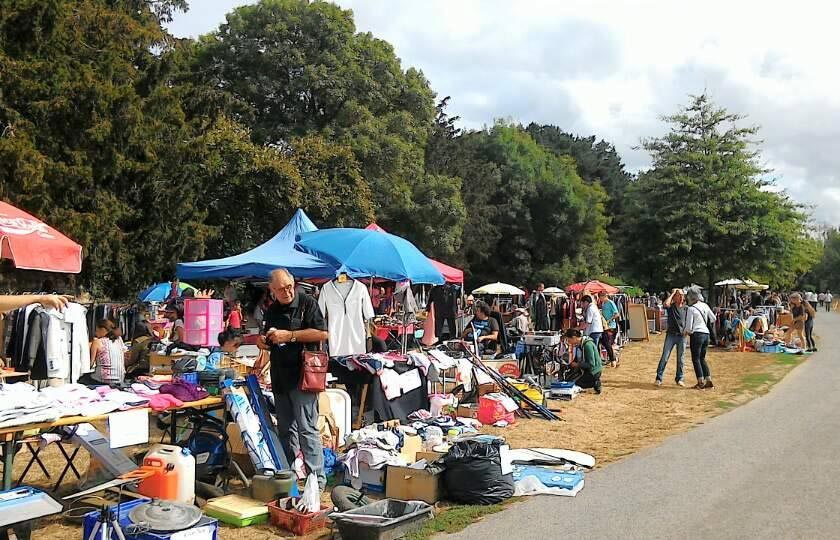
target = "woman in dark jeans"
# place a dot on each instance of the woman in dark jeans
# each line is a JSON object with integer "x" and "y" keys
{"x": 699, "y": 319}
{"x": 810, "y": 315}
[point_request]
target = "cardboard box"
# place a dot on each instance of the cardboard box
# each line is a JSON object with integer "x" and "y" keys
{"x": 369, "y": 479}
{"x": 409, "y": 484}
{"x": 507, "y": 367}
{"x": 467, "y": 410}
{"x": 429, "y": 456}
{"x": 412, "y": 444}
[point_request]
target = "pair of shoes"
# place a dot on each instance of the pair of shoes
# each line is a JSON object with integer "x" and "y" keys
{"x": 680, "y": 383}
{"x": 709, "y": 384}
{"x": 658, "y": 382}
{"x": 699, "y": 386}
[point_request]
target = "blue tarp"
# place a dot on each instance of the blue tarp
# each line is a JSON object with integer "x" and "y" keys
{"x": 363, "y": 253}
{"x": 279, "y": 252}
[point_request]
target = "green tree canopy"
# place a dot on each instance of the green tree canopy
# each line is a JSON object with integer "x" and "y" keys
{"x": 705, "y": 210}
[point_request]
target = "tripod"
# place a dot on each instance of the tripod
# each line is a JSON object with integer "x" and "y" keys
{"x": 105, "y": 525}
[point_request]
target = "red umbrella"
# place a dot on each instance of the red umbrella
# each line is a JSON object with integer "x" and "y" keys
{"x": 33, "y": 245}
{"x": 592, "y": 286}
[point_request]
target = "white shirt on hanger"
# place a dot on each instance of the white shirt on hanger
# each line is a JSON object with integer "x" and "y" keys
{"x": 68, "y": 352}
{"x": 347, "y": 307}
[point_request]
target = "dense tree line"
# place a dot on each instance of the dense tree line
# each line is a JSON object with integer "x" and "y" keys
{"x": 149, "y": 150}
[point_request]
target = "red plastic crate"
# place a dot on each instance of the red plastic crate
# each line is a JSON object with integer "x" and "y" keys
{"x": 294, "y": 521}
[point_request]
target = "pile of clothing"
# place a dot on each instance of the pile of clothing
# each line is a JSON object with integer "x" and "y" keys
{"x": 373, "y": 447}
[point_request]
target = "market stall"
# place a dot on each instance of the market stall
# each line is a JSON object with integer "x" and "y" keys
{"x": 257, "y": 263}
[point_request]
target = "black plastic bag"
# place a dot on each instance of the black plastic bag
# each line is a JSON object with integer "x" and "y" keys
{"x": 474, "y": 473}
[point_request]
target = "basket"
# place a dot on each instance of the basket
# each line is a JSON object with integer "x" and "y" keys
{"x": 282, "y": 514}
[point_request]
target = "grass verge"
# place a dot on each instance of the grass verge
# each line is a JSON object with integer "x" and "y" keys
{"x": 453, "y": 519}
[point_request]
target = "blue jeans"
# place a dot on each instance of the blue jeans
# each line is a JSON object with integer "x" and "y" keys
{"x": 670, "y": 342}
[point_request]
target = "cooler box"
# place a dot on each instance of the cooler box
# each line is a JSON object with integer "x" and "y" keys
{"x": 204, "y": 319}
{"x": 206, "y": 529}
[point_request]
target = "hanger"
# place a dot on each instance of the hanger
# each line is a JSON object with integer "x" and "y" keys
{"x": 342, "y": 277}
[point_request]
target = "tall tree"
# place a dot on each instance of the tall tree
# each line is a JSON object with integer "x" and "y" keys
{"x": 597, "y": 161}
{"x": 705, "y": 209}
{"x": 297, "y": 68}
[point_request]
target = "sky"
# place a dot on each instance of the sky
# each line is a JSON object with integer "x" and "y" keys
{"x": 612, "y": 68}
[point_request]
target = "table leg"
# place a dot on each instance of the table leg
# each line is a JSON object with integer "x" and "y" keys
{"x": 8, "y": 461}
{"x": 173, "y": 428}
{"x": 361, "y": 414}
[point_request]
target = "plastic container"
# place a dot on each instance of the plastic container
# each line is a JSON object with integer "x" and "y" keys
{"x": 189, "y": 376}
{"x": 282, "y": 514}
{"x": 406, "y": 516}
{"x": 163, "y": 484}
{"x": 491, "y": 411}
{"x": 203, "y": 321}
{"x": 209, "y": 526}
{"x": 183, "y": 467}
{"x": 536, "y": 394}
{"x": 272, "y": 485}
{"x": 237, "y": 511}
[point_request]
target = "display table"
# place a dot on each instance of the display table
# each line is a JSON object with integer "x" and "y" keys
{"x": 12, "y": 434}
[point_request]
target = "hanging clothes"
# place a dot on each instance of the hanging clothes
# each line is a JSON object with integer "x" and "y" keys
{"x": 347, "y": 307}
{"x": 539, "y": 311}
{"x": 444, "y": 299}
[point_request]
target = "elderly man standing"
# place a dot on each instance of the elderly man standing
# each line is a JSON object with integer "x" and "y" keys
{"x": 292, "y": 321}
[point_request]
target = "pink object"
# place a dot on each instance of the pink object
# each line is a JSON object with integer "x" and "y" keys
{"x": 429, "y": 338}
{"x": 161, "y": 402}
{"x": 203, "y": 321}
{"x": 491, "y": 411}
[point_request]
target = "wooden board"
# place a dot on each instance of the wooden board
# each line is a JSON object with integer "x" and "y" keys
{"x": 637, "y": 313}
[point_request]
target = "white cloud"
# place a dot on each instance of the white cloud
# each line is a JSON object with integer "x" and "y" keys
{"x": 611, "y": 68}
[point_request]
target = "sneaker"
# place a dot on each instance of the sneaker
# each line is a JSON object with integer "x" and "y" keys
{"x": 814, "y": 349}
{"x": 680, "y": 383}
{"x": 709, "y": 384}
{"x": 658, "y": 382}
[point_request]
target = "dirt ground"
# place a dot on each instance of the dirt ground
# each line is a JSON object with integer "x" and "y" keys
{"x": 630, "y": 414}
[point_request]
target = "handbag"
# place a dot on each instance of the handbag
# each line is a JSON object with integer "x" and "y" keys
{"x": 314, "y": 374}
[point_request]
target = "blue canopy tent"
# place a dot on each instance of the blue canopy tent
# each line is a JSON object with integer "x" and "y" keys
{"x": 365, "y": 253}
{"x": 279, "y": 252}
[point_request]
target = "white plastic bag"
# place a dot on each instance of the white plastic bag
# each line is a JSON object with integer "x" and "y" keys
{"x": 311, "y": 499}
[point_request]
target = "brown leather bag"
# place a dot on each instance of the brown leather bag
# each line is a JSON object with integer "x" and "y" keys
{"x": 314, "y": 376}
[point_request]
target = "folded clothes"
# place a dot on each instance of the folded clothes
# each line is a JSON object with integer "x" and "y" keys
{"x": 162, "y": 402}
{"x": 184, "y": 391}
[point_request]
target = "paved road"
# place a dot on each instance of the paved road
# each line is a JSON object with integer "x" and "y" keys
{"x": 769, "y": 469}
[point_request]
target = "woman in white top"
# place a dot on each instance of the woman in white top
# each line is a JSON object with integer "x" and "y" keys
{"x": 699, "y": 318}
{"x": 109, "y": 353}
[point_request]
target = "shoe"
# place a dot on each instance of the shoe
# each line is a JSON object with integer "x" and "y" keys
{"x": 680, "y": 383}
{"x": 658, "y": 382}
{"x": 709, "y": 384}
{"x": 814, "y": 349}
{"x": 699, "y": 386}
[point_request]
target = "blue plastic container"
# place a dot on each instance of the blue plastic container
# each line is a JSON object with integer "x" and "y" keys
{"x": 188, "y": 376}
{"x": 124, "y": 508}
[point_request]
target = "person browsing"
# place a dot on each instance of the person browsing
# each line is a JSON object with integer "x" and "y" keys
{"x": 610, "y": 314}
{"x": 674, "y": 336}
{"x": 483, "y": 329}
{"x": 291, "y": 322}
{"x": 588, "y": 360}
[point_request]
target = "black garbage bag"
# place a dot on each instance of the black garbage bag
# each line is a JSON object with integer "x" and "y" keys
{"x": 473, "y": 473}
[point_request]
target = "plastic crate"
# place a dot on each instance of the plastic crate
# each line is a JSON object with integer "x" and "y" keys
{"x": 294, "y": 521}
{"x": 188, "y": 376}
{"x": 203, "y": 321}
{"x": 405, "y": 517}
{"x": 211, "y": 524}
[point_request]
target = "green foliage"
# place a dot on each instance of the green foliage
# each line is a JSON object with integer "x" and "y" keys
{"x": 530, "y": 216}
{"x": 825, "y": 274}
{"x": 704, "y": 210}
